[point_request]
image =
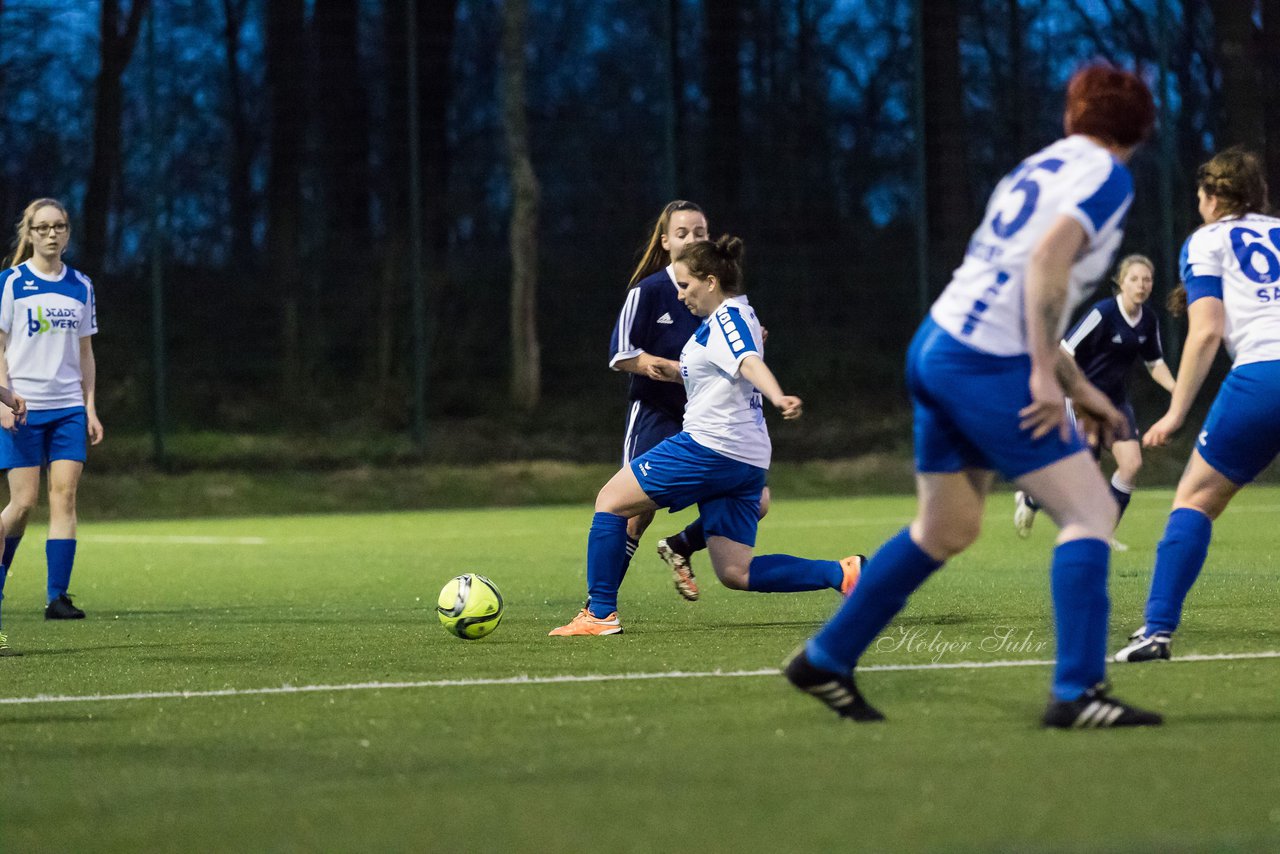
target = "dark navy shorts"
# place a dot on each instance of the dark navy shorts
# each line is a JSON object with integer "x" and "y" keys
{"x": 1239, "y": 437}
{"x": 48, "y": 435}
{"x": 646, "y": 427}
{"x": 965, "y": 405}
{"x": 680, "y": 472}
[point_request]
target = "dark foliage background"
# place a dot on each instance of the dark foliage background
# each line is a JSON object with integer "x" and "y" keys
{"x": 258, "y": 151}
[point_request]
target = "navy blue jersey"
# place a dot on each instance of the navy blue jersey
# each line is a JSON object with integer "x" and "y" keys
{"x": 1105, "y": 345}
{"x": 653, "y": 321}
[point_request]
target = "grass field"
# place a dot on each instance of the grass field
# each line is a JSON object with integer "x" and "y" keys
{"x": 718, "y": 754}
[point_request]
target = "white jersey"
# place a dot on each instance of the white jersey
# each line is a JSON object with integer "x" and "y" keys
{"x": 984, "y": 305}
{"x": 725, "y": 412}
{"x": 45, "y": 318}
{"x": 1237, "y": 260}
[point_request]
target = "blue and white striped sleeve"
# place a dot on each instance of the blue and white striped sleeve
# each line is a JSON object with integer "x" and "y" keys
{"x": 1106, "y": 203}
{"x": 1201, "y": 265}
{"x": 1081, "y": 332}
{"x": 622, "y": 346}
{"x": 731, "y": 340}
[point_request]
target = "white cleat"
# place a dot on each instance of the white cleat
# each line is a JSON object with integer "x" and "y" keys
{"x": 1024, "y": 515}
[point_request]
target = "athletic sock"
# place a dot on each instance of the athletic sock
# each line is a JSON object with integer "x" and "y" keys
{"x": 691, "y": 539}
{"x": 606, "y": 562}
{"x": 1121, "y": 491}
{"x": 787, "y": 574}
{"x": 1030, "y": 502}
{"x": 61, "y": 555}
{"x": 1179, "y": 559}
{"x": 10, "y": 549}
{"x": 4, "y": 574}
{"x": 1080, "y": 611}
{"x": 893, "y": 573}
{"x": 630, "y": 551}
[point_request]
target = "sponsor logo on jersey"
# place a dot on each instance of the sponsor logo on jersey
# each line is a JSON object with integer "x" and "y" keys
{"x": 49, "y": 319}
{"x": 29, "y": 285}
{"x": 666, "y": 320}
{"x": 1116, "y": 339}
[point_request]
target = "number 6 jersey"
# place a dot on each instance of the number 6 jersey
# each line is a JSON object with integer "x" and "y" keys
{"x": 1237, "y": 260}
{"x": 984, "y": 306}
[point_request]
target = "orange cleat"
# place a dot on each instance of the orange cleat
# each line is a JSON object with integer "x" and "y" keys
{"x": 587, "y": 624}
{"x": 852, "y": 567}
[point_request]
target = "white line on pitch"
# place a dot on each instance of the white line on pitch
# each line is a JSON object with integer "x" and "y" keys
{"x": 174, "y": 539}
{"x": 555, "y": 680}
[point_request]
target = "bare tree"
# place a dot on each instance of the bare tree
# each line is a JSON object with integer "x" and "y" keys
{"x": 285, "y": 22}
{"x": 526, "y": 358}
{"x": 239, "y": 183}
{"x": 115, "y": 50}
{"x": 947, "y": 202}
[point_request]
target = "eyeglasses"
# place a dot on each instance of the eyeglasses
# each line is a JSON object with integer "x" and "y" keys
{"x": 44, "y": 228}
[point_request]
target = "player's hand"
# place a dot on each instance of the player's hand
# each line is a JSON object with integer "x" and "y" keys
{"x": 663, "y": 370}
{"x": 95, "y": 428}
{"x": 1047, "y": 410}
{"x": 790, "y": 406}
{"x": 1162, "y": 431}
{"x": 8, "y": 421}
{"x": 1099, "y": 419}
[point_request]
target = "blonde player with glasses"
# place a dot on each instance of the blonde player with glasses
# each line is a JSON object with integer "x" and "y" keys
{"x": 47, "y": 320}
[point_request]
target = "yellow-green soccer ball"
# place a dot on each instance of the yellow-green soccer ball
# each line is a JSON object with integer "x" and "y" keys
{"x": 470, "y": 606}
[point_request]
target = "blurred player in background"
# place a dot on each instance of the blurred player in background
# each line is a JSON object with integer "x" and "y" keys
{"x": 1231, "y": 281}
{"x": 1105, "y": 343}
{"x": 718, "y": 461}
{"x": 652, "y": 328}
{"x": 47, "y": 320}
{"x": 987, "y": 379}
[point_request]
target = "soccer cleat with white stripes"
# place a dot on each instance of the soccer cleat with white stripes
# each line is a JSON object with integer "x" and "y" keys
{"x": 1144, "y": 647}
{"x": 6, "y": 651}
{"x": 681, "y": 571}
{"x": 1024, "y": 514}
{"x": 836, "y": 690}
{"x": 1095, "y": 710}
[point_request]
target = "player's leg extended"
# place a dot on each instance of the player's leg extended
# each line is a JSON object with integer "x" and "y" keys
{"x": 24, "y": 491}
{"x": 60, "y": 549}
{"x": 1203, "y": 493}
{"x": 948, "y": 520}
{"x": 1074, "y": 494}
{"x": 676, "y": 551}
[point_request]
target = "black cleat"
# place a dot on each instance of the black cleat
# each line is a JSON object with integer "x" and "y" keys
{"x": 1095, "y": 710}
{"x": 62, "y": 609}
{"x": 1144, "y": 647}
{"x": 835, "y": 689}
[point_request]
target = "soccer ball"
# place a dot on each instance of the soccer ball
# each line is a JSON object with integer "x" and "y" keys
{"x": 470, "y": 606}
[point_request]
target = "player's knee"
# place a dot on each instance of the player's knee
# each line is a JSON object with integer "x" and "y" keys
{"x": 734, "y": 576}
{"x": 945, "y": 540}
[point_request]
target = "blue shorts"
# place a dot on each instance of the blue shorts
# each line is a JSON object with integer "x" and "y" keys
{"x": 965, "y": 405}
{"x": 1239, "y": 437}
{"x": 48, "y": 435}
{"x": 680, "y": 472}
{"x": 646, "y": 427}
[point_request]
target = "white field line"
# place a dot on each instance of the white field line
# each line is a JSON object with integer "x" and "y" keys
{"x": 173, "y": 540}
{"x": 555, "y": 680}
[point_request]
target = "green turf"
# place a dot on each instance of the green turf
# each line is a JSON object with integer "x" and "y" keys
{"x": 730, "y": 763}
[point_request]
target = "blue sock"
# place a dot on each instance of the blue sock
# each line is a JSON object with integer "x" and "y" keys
{"x": 1121, "y": 492}
{"x": 694, "y": 536}
{"x": 4, "y": 574}
{"x": 61, "y": 555}
{"x": 892, "y": 574}
{"x": 10, "y": 549}
{"x": 630, "y": 550}
{"x": 787, "y": 574}
{"x": 1179, "y": 559}
{"x": 1080, "y": 611}
{"x": 606, "y": 562}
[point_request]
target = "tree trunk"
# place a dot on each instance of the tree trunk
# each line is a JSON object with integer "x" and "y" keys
{"x": 285, "y": 20}
{"x": 723, "y": 75}
{"x": 239, "y": 182}
{"x": 1235, "y": 41}
{"x": 115, "y": 50}
{"x": 526, "y": 356}
{"x": 1270, "y": 70}
{"x": 947, "y": 204}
